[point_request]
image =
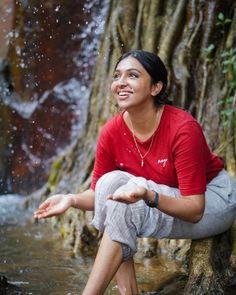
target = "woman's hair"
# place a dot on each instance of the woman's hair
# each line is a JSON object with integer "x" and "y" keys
{"x": 155, "y": 68}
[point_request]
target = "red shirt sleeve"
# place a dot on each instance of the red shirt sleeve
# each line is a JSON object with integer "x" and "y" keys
{"x": 189, "y": 157}
{"x": 104, "y": 161}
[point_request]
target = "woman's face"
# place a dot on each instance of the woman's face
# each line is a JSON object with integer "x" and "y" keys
{"x": 132, "y": 86}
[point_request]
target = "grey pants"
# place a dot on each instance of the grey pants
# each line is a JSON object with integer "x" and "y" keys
{"x": 126, "y": 222}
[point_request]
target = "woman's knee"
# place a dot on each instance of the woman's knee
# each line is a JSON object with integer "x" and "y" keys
{"x": 110, "y": 182}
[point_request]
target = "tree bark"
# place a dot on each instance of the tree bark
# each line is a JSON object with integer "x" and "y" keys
{"x": 209, "y": 262}
{"x": 182, "y": 33}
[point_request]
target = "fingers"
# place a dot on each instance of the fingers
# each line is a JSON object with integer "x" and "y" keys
{"x": 43, "y": 210}
{"x": 129, "y": 197}
{"x": 39, "y": 214}
{"x": 109, "y": 197}
{"x": 114, "y": 197}
{"x": 45, "y": 204}
{"x": 122, "y": 198}
{"x": 47, "y": 208}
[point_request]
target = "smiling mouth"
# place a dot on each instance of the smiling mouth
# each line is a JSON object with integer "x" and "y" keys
{"x": 124, "y": 93}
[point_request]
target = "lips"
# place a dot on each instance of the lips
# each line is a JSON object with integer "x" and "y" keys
{"x": 124, "y": 93}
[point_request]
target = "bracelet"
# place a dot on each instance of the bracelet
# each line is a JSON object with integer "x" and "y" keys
{"x": 153, "y": 204}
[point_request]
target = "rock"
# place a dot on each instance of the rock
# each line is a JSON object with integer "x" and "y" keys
{"x": 175, "y": 286}
{"x": 9, "y": 289}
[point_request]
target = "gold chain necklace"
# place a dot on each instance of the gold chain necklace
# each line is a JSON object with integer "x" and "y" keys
{"x": 136, "y": 144}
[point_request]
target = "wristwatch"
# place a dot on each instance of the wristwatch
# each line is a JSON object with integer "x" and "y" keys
{"x": 153, "y": 204}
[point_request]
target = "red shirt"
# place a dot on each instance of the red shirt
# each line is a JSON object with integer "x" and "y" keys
{"x": 179, "y": 156}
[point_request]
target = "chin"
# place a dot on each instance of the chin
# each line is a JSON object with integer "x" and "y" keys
{"x": 122, "y": 104}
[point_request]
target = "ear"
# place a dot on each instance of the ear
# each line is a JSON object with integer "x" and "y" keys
{"x": 156, "y": 88}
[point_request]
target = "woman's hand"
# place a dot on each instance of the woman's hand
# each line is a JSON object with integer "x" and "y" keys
{"x": 130, "y": 197}
{"x": 54, "y": 206}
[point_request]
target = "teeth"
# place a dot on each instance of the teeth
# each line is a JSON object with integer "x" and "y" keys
{"x": 123, "y": 93}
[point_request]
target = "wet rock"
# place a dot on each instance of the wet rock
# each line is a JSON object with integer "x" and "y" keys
{"x": 175, "y": 286}
{"x": 45, "y": 108}
{"x": 9, "y": 289}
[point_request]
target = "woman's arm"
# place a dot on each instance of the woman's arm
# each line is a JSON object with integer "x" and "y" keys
{"x": 58, "y": 204}
{"x": 84, "y": 200}
{"x": 188, "y": 208}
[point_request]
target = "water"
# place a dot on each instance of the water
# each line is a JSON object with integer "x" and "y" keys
{"x": 12, "y": 210}
{"x": 32, "y": 254}
{"x": 45, "y": 84}
{"x": 32, "y": 257}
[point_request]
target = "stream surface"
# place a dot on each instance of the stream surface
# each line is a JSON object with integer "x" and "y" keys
{"x": 33, "y": 258}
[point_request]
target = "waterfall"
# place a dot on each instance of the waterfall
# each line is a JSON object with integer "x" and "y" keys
{"x": 45, "y": 85}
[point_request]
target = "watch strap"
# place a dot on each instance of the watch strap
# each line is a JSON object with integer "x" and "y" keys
{"x": 154, "y": 203}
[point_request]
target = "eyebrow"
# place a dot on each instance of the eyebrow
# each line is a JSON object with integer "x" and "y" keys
{"x": 131, "y": 69}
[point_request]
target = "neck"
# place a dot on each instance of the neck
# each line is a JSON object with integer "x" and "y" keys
{"x": 143, "y": 123}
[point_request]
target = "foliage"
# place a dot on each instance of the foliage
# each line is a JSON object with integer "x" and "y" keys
{"x": 209, "y": 51}
{"x": 229, "y": 69}
{"x": 228, "y": 64}
{"x": 222, "y": 22}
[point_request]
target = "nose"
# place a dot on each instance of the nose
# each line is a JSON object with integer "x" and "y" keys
{"x": 122, "y": 81}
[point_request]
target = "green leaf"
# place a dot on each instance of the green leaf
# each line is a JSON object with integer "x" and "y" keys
{"x": 228, "y": 112}
{"x": 221, "y": 16}
{"x": 226, "y": 123}
{"x": 209, "y": 49}
{"x": 226, "y": 62}
{"x": 230, "y": 99}
{"x": 232, "y": 84}
{"x": 220, "y": 102}
{"x": 224, "y": 54}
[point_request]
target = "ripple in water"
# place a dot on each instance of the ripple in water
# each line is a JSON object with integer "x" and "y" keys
{"x": 12, "y": 211}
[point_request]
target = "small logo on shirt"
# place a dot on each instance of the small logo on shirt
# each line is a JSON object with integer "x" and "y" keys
{"x": 162, "y": 162}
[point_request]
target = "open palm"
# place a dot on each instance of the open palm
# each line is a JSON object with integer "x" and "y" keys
{"x": 53, "y": 206}
{"x": 131, "y": 196}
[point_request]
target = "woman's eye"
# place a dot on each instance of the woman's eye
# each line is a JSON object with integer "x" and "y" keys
{"x": 115, "y": 76}
{"x": 133, "y": 75}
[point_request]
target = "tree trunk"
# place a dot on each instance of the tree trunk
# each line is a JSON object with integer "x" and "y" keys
{"x": 190, "y": 37}
{"x": 209, "y": 263}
